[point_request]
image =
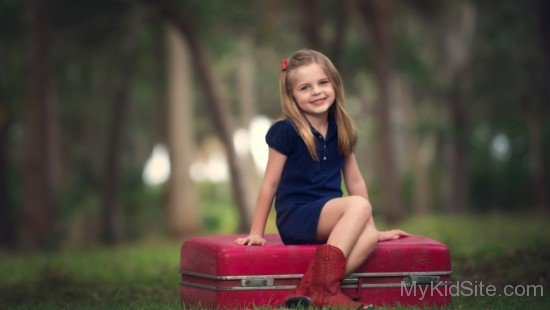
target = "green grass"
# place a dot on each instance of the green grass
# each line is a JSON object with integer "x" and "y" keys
{"x": 503, "y": 249}
{"x": 143, "y": 275}
{"x": 494, "y": 249}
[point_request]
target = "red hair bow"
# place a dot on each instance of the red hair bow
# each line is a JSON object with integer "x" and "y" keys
{"x": 283, "y": 64}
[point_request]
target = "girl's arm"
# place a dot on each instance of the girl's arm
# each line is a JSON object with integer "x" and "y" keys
{"x": 353, "y": 179}
{"x": 273, "y": 171}
{"x": 356, "y": 186}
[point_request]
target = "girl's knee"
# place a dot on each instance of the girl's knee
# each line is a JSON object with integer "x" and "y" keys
{"x": 360, "y": 206}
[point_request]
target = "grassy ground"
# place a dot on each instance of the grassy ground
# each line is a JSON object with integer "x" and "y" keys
{"x": 495, "y": 250}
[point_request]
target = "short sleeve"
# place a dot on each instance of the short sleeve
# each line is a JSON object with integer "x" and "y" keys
{"x": 282, "y": 136}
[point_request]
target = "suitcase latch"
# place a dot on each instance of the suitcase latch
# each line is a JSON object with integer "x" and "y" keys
{"x": 421, "y": 280}
{"x": 256, "y": 282}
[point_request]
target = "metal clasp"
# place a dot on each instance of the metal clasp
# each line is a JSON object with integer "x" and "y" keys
{"x": 256, "y": 282}
{"x": 421, "y": 280}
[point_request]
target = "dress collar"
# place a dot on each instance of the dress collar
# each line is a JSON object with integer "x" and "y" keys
{"x": 332, "y": 128}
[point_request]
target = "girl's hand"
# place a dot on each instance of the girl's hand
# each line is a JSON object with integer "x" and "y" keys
{"x": 252, "y": 239}
{"x": 391, "y": 234}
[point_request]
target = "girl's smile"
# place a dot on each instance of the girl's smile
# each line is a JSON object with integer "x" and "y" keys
{"x": 318, "y": 101}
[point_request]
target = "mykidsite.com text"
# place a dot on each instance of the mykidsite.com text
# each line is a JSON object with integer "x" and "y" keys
{"x": 469, "y": 288}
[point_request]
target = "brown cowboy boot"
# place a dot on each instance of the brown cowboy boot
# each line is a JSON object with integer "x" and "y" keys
{"x": 328, "y": 273}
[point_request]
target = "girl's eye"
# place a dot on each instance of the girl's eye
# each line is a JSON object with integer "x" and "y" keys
{"x": 323, "y": 82}
{"x": 303, "y": 87}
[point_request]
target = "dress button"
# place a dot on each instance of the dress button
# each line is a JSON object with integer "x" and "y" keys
{"x": 325, "y": 158}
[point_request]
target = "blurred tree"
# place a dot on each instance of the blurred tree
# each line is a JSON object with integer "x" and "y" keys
{"x": 41, "y": 167}
{"x": 457, "y": 29}
{"x": 315, "y": 20}
{"x": 537, "y": 169}
{"x": 379, "y": 16}
{"x": 535, "y": 110}
{"x": 13, "y": 97}
{"x": 343, "y": 10}
{"x": 313, "y": 24}
{"x": 247, "y": 101}
{"x": 113, "y": 215}
{"x": 7, "y": 219}
{"x": 509, "y": 92}
{"x": 418, "y": 61}
{"x": 218, "y": 106}
{"x": 245, "y": 81}
{"x": 182, "y": 209}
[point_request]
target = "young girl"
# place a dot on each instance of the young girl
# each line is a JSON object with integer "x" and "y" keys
{"x": 309, "y": 152}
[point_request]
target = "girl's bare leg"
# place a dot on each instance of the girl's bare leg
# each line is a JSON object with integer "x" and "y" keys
{"x": 343, "y": 221}
{"x": 367, "y": 242}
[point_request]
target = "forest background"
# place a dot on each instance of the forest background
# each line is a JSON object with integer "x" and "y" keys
{"x": 448, "y": 97}
{"x": 125, "y": 121}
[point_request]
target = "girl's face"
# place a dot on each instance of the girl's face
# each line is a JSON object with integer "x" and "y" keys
{"x": 312, "y": 90}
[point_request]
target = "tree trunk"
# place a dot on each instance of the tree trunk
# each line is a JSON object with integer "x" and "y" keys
{"x": 313, "y": 31}
{"x": 342, "y": 17}
{"x": 38, "y": 214}
{"x": 378, "y": 15}
{"x": 7, "y": 219}
{"x": 112, "y": 213}
{"x": 182, "y": 210}
{"x": 245, "y": 82}
{"x": 247, "y": 102}
{"x": 312, "y": 25}
{"x": 538, "y": 185}
{"x": 535, "y": 111}
{"x": 415, "y": 152}
{"x": 218, "y": 106}
{"x": 458, "y": 18}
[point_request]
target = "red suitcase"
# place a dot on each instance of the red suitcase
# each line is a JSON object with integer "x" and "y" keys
{"x": 215, "y": 273}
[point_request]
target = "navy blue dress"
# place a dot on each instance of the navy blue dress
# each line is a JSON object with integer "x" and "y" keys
{"x": 305, "y": 185}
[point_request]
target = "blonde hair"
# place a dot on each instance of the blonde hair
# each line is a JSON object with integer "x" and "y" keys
{"x": 347, "y": 134}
